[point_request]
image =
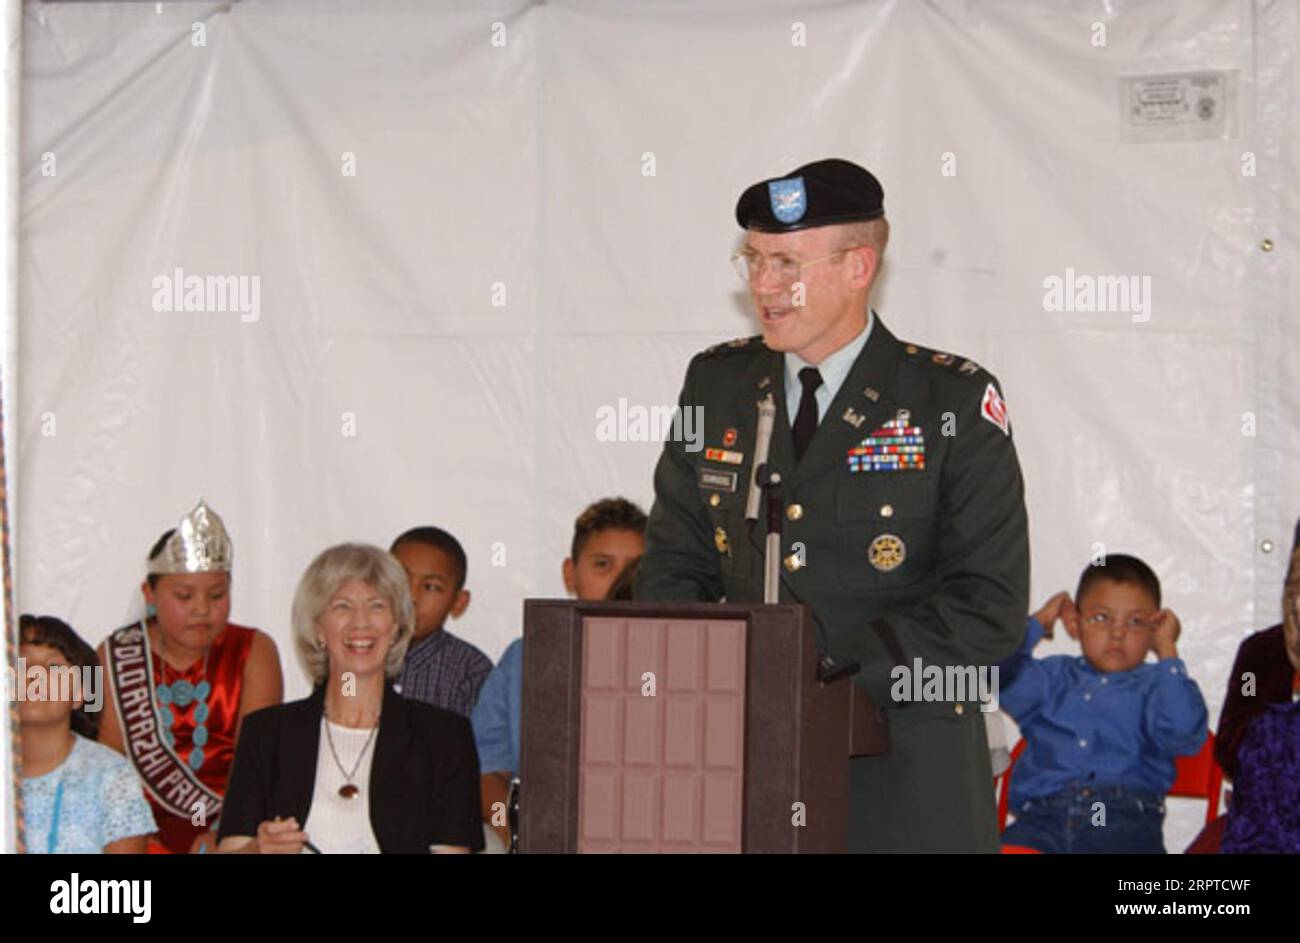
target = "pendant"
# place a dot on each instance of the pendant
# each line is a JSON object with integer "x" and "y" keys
{"x": 347, "y": 790}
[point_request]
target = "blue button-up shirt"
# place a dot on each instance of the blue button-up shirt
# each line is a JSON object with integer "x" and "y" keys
{"x": 1085, "y": 727}
{"x": 496, "y": 716}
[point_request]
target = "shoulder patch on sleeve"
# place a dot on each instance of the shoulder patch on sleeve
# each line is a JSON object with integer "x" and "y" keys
{"x": 994, "y": 409}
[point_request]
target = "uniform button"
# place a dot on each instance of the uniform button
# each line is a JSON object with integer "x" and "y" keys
{"x": 959, "y": 709}
{"x": 794, "y": 512}
{"x": 793, "y": 562}
{"x": 1088, "y": 696}
{"x": 715, "y": 500}
{"x": 1103, "y": 680}
{"x": 886, "y": 510}
{"x": 1083, "y": 743}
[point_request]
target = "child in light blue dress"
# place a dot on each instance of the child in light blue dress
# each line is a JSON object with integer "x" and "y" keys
{"x": 79, "y": 796}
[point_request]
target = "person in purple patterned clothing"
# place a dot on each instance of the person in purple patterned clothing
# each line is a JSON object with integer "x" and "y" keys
{"x": 1265, "y": 812}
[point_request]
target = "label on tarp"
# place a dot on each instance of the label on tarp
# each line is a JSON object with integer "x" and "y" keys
{"x": 1178, "y": 106}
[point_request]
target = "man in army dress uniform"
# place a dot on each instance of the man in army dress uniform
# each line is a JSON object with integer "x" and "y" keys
{"x": 905, "y": 527}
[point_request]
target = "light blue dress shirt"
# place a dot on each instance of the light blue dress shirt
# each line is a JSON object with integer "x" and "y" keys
{"x": 834, "y": 370}
{"x": 497, "y": 714}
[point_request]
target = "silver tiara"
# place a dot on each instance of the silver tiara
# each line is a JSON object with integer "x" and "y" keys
{"x": 199, "y": 544}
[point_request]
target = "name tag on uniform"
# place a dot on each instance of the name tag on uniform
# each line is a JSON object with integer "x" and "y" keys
{"x": 895, "y": 446}
{"x": 713, "y": 479}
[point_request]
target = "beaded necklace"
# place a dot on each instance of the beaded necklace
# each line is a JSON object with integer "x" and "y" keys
{"x": 180, "y": 694}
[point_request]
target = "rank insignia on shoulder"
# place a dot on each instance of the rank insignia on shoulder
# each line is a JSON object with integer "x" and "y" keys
{"x": 887, "y": 552}
{"x": 734, "y": 344}
{"x": 968, "y": 367}
{"x": 994, "y": 409}
{"x": 895, "y": 446}
{"x": 943, "y": 359}
{"x": 723, "y": 455}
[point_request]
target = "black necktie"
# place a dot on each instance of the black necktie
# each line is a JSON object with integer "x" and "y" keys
{"x": 805, "y": 423}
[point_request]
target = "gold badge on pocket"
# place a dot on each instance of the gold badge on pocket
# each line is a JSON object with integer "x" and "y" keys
{"x": 720, "y": 541}
{"x": 887, "y": 552}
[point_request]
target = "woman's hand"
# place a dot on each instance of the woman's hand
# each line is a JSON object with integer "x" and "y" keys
{"x": 280, "y": 837}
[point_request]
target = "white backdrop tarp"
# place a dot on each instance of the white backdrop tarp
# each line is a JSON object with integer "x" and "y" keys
{"x": 473, "y": 225}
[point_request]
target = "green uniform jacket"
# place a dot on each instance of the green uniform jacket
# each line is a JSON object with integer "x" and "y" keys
{"x": 928, "y": 563}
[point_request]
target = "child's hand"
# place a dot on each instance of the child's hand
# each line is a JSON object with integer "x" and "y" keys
{"x": 1051, "y": 611}
{"x": 1168, "y": 628}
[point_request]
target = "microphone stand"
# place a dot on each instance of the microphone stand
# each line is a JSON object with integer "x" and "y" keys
{"x": 765, "y": 489}
{"x": 769, "y": 481}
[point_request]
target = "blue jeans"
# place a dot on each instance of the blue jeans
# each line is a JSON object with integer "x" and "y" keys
{"x": 1071, "y": 823}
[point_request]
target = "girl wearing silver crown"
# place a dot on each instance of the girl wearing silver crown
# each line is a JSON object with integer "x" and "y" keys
{"x": 182, "y": 680}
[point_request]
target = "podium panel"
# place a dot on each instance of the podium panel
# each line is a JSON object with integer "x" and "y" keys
{"x": 661, "y": 772}
{"x": 679, "y": 727}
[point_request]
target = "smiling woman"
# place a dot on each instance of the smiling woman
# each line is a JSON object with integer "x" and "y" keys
{"x": 354, "y": 767}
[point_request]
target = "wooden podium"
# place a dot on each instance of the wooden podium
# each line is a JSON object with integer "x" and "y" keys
{"x": 683, "y": 727}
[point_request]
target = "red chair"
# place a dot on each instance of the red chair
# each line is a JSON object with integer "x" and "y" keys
{"x": 1196, "y": 777}
{"x": 1004, "y": 778}
{"x": 1200, "y": 777}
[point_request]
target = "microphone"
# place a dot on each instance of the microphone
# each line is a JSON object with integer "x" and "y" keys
{"x": 762, "y": 443}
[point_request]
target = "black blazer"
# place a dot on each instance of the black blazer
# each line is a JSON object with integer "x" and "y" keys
{"x": 424, "y": 779}
{"x": 1264, "y": 655}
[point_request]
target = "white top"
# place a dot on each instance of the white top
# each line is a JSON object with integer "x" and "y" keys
{"x": 336, "y": 825}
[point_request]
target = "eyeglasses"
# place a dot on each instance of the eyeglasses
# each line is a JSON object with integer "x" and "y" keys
{"x": 1104, "y": 620}
{"x": 749, "y": 264}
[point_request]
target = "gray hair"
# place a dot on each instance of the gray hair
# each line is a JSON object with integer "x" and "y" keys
{"x": 329, "y": 571}
{"x": 874, "y": 233}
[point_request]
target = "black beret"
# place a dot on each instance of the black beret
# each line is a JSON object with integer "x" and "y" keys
{"x": 822, "y": 193}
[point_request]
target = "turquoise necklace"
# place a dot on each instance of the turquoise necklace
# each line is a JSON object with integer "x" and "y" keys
{"x": 181, "y": 694}
{"x": 52, "y": 839}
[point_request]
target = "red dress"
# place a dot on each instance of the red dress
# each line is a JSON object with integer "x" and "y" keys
{"x": 225, "y": 673}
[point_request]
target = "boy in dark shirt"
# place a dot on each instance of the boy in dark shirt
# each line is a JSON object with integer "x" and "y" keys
{"x": 440, "y": 669}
